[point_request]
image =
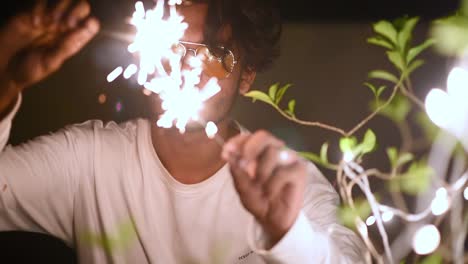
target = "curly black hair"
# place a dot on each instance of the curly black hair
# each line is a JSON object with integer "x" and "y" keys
{"x": 256, "y": 28}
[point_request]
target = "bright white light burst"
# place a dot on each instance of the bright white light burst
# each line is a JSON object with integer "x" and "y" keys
{"x": 441, "y": 202}
{"x": 156, "y": 34}
{"x": 449, "y": 110}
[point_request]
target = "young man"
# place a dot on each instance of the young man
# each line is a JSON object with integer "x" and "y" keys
{"x": 136, "y": 193}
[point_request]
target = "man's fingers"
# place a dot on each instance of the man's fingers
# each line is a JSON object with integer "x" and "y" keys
{"x": 38, "y": 13}
{"x": 71, "y": 44}
{"x": 59, "y": 10}
{"x": 232, "y": 149}
{"x": 257, "y": 143}
{"x": 78, "y": 13}
{"x": 267, "y": 163}
{"x": 293, "y": 173}
{"x": 250, "y": 194}
{"x": 242, "y": 181}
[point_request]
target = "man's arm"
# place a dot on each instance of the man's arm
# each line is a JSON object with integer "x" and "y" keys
{"x": 39, "y": 179}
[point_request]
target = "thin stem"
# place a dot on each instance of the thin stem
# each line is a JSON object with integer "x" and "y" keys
{"x": 310, "y": 123}
{"x": 413, "y": 98}
{"x": 373, "y": 114}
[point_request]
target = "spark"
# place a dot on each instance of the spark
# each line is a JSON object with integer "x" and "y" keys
{"x": 211, "y": 129}
{"x": 130, "y": 71}
{"x": 160, "y": 69}
{"x": 114, "y": 74}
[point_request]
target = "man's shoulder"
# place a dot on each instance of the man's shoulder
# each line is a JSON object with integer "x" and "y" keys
{"x": 128, "y": 129}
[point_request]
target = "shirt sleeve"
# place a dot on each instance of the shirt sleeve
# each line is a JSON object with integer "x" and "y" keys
{"x": 5, "y": 124}
{"x": 316, "y": 236}
{"x": 39, "y": 179}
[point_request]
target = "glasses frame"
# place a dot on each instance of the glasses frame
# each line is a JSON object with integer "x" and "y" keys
{"x": 219, "y": 59}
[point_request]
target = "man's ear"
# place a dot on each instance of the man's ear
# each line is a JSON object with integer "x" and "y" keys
{"x": 246, "y": 80}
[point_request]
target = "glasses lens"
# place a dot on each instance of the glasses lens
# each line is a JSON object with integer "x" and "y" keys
{"x": 229, "y": 62}
{"x": 215, "y": 62}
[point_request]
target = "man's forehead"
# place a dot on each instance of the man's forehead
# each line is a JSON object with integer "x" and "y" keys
{"x": 195, "y": 13}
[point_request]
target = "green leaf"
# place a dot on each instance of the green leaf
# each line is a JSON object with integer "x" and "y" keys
{"x": 404, "y": 158}
{"x": 433, "y": 259}
{"x": 381, "y": 90}
{"x": 396, "y": 59}
{"x": 291, "y": 107}
{"x": 120, "y": 240}
{"x": 348, "y": 215}
{"x": 369, "y": 142}
{"x": 396, "y": 159}
{"x": 404, "y": 36}
{"x": 281, "y": 92}
{"x": 451, "y": 35}
{"x": 379, "y": 41}
{"x": 415, "y": 181}
{"x": 324, "y": 152}
{"x": 415, "y": 51}
{"x": 347, "y": 144}
{"x": 397, "y": 110}
{"x": 429, "y": 128}
{"x": 383, "y": 75}
{"x": 272, "y": 91}
{"x": 311, "y": 156}
{"x": 261, "y": 96}
{"x": 392, "y": 154}
{"x": 387, "y": 30}
{"x": 372, "y": 87}
{"x": 414, "y": 66}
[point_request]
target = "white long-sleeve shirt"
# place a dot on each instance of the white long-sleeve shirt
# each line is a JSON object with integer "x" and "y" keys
{"x": 103, "y": 190}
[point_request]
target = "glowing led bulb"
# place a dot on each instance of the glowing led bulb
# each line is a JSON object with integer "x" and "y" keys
{"x": 387, "y": 216}
{"x": 370, "y": 220}
{"x": 441, "y": 202}
{"x": 465, "y": 193}
{"x": 348, "y": 156}
{"x": 426, "y": 240}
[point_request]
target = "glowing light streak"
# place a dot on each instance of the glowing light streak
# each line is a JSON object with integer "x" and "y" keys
{"x": 130, "y": 71}
{"x": 114, "y": 74}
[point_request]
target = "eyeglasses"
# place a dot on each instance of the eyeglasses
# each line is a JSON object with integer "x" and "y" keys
{"x": 218, "y": 62}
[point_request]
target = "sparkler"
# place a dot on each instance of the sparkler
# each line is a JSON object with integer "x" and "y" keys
{"x": 182, "y": 98}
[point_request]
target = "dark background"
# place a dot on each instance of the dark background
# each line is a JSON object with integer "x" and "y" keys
{"x": 324, "y": 55}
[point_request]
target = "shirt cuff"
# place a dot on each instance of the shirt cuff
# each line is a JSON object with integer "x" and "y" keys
{"x": 5, "y": 123}
{"x": 303, "y": 243}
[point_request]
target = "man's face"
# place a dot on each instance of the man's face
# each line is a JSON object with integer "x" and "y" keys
{"x": 218, "y": 107}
